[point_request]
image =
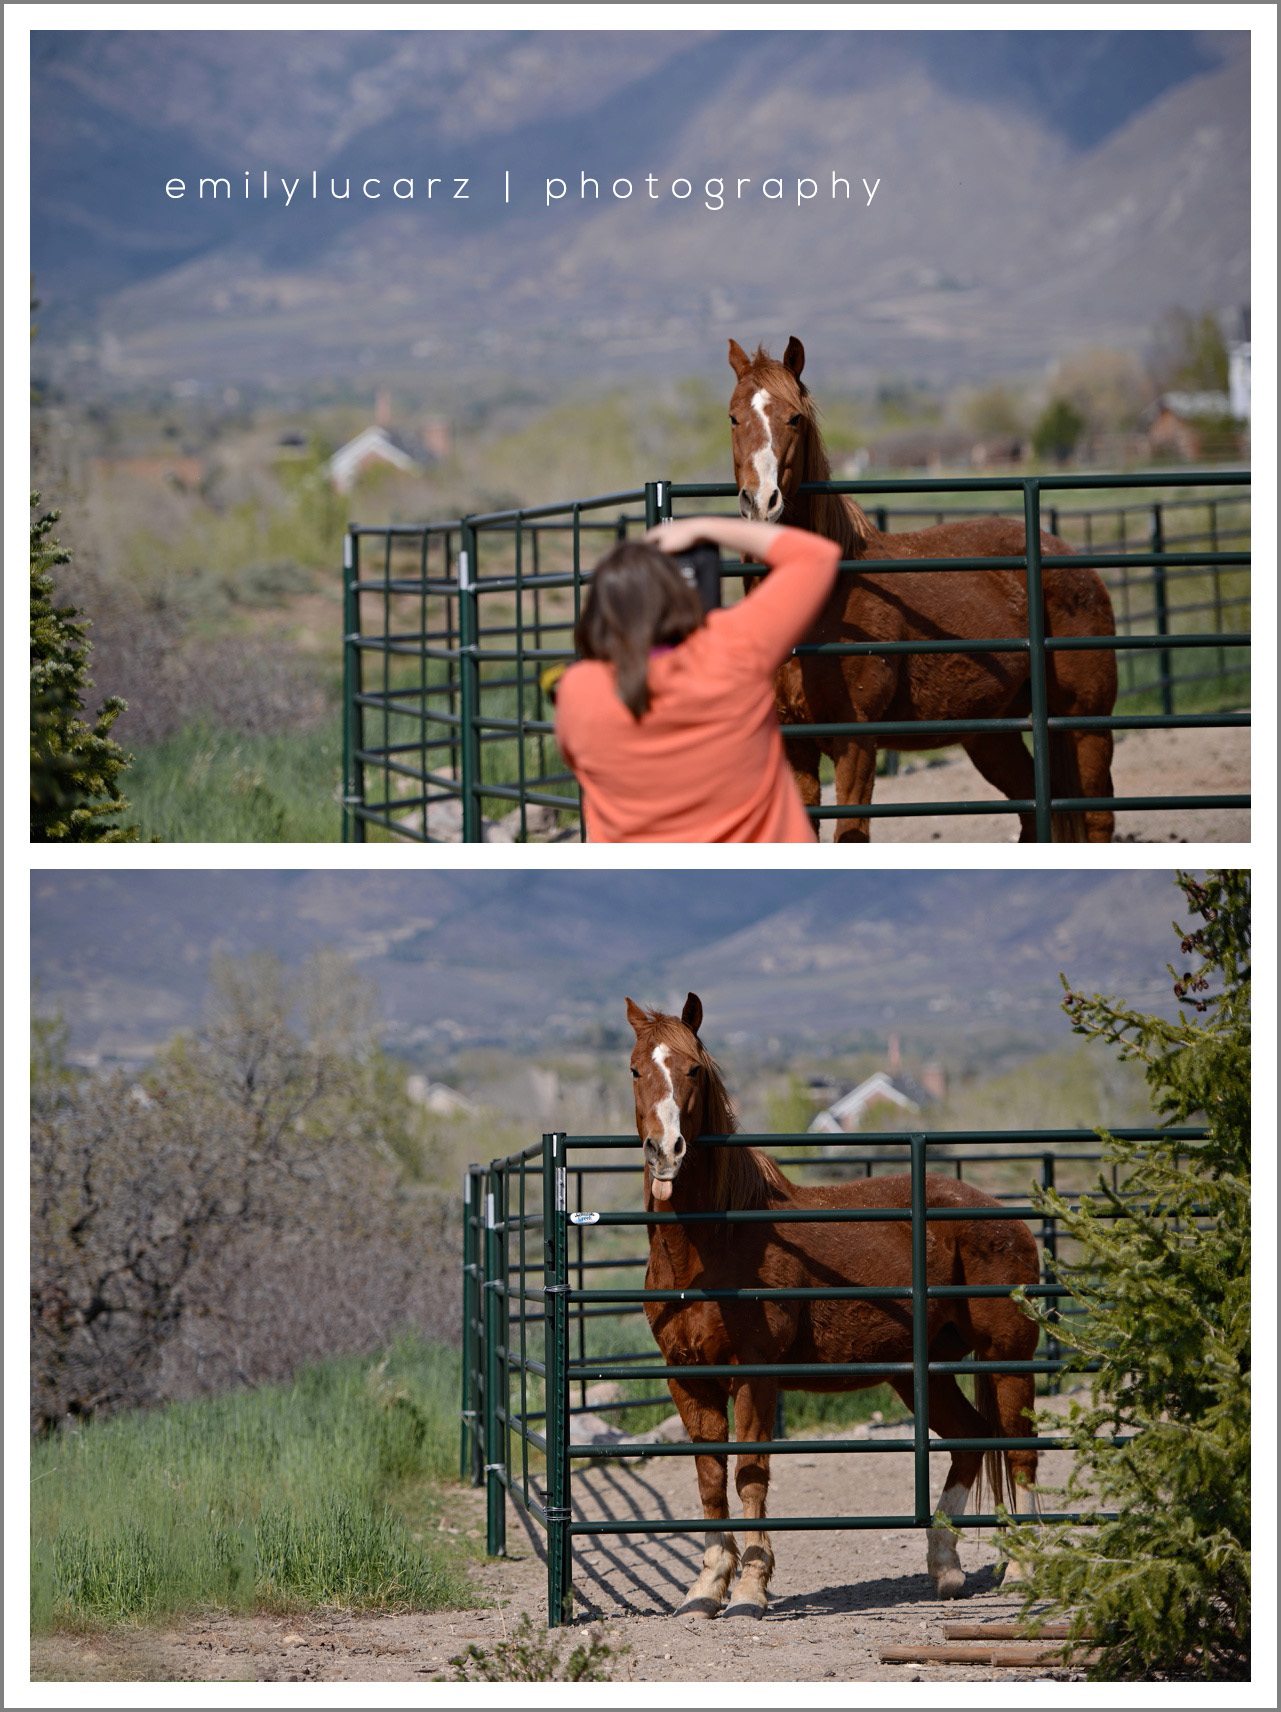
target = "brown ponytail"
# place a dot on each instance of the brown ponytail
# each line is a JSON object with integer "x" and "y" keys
{"x": 638, "y": 600}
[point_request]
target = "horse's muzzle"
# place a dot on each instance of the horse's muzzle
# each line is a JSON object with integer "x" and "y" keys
{"x": 758, "y": 508}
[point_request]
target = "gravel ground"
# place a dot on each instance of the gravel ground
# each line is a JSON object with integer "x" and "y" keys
{"x": 836, "y": 1597}
{"x": 1200, "y": 762}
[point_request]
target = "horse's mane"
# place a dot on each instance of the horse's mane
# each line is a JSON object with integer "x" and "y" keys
{"x": 743, "y": 1178}
{"x": 837, "y": 516}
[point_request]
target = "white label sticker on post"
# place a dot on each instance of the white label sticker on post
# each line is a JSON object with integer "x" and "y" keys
{"x": 584, "y": 1218}
{"x": 490, "y": 1220}
{"x": 561, "y": 1197}
{"x": 464, "y": 570}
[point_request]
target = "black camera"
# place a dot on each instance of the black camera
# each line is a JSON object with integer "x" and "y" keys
{"x": 701, "y": 566}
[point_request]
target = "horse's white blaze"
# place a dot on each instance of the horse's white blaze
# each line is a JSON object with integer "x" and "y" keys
{"x": 667, "y": 1111}
{"x": 765, "y": 462}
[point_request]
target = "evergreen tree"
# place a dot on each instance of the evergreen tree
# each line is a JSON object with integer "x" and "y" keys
{"x": 1163, "y": 1281}
{"x": 75, "y": 766}
{"x": 1058, "y": 429}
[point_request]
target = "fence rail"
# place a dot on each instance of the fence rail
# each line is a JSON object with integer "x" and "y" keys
{"x": 448, "y": 627}
{"x": 528, "y": 1300}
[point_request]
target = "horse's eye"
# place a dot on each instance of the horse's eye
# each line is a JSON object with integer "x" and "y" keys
{"x": 793, "y": 421}
{"x": 635, "y": 1075}
{"x": 695, "y": 1069}
{"x": 733, "y": 421}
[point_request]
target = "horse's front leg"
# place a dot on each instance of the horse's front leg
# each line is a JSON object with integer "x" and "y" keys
{"x": 855, "y": 781}
{"x": 754, "y": 1406}
{"x": 704, "y": 1409}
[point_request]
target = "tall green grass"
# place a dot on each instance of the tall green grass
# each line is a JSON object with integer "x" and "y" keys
{"x": 280, "y": 1498}
{"x": 207, "y": 783}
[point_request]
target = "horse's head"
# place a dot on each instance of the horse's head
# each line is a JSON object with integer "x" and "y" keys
{"x": 672, "y": 1079}
{"x": 770, "y": 418}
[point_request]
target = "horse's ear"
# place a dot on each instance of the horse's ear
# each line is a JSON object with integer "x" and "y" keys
{"x": 739, "y": 360}
{"x": 635, "y": 1015}
{"x": 794, "y": 356}
{"x": 692, "y": 1015}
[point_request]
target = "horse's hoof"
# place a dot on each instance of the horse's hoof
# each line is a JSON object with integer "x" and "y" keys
{"x": 949, "y": 1582}
{"x": 1012, "y": 1573}
{"x": 701, "y": 1608}
{"x": 745, "y": 1608}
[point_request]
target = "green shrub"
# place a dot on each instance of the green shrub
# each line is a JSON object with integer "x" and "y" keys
{"x": 75, "y": 766}
{"x": 1164, "y": 1589}
{"x": 530, "y": 1654}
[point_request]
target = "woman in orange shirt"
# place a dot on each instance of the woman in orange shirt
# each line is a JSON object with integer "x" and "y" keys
{"x": 668, "y": 718}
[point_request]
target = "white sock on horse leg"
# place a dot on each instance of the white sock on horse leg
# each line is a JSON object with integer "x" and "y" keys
{"x": 941, "y": 1557}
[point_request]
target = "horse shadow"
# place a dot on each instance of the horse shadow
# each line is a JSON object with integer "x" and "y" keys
{"x": 649, "y": 1574}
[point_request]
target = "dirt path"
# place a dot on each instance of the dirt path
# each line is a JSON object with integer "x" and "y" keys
{"x": 837, "y": 1597}
{"x": 1201, "y": 762}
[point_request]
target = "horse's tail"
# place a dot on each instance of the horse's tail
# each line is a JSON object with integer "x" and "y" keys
{"x": 995, "y": 1479}
{"x": 1065, "y": 781}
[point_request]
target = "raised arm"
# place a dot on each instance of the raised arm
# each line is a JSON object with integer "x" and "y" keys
{"x": 784, "y": 605}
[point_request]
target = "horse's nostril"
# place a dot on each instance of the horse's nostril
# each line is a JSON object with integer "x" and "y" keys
{"x": 678, "y": 1152}
{"x": 774, "y": 499}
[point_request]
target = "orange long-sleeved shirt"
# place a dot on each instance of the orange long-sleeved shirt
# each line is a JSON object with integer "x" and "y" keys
{"x": 705, "y": 763}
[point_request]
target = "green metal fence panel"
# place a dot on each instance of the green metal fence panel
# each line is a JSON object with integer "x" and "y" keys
{"x": 532, "y": 1293}
{"x": 452, "y": 736}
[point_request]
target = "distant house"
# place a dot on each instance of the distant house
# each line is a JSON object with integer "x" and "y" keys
{"x": 437, "y": 1098}
{"x": 1188, "y": 425}
{"x": 879, "y": 1089}
{"x": 1239, "y": 369}
{"x": 395, "y": 449}
{"x": 373, "y": 445}
{"x": 891, "y": 1087}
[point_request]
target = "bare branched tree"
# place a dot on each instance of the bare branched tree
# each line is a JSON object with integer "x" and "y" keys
{"x": 239, "y": 1209}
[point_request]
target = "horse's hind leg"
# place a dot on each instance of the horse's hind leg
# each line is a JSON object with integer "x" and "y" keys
{"x": 754, "y": 1404}
{"x": 1004, "y": 762}
{"x": 704, "y": 1410}
{"x": 952, "y": 1416}
{"x": 1093, "y": 751}
{"x": 1013, "y": 1403}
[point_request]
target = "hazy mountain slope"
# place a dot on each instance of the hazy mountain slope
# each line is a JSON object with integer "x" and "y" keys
{"x": 544, "y": 957}
{"x": 1036, "y": 190}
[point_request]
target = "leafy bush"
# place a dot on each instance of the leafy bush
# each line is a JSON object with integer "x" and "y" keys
{"x": 1164, "y": 1589}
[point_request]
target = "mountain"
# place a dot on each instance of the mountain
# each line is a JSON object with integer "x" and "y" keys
{"x": 544, "y": 958}
{"x": 1036, "y": 190}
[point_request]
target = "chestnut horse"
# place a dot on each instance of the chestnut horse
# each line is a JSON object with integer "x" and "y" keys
{"x": 679, "y": 1097}
{"x": 777, "y": 447}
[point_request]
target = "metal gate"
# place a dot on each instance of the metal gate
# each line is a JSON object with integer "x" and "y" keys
{"x": 448, "y": 627}
{"x": 533, "y": 1245}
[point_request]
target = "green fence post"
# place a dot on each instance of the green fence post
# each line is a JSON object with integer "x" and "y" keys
{"x": 920, "y": 1335}
{"x": 469, "y": 683}
{"x": 494, "y": 1317}
{"x": 1161, "y": 605}
{"x": 653, "y": 512}
{"x": 466, "y": 1447}
{"x": 353, "y": 771}
{"x": 1036, "y": 660}
{"x": 560, "y": 1563}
